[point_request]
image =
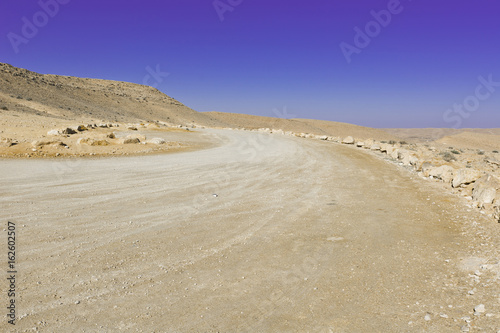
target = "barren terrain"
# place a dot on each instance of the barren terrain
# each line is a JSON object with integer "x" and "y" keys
{"x": 262, "y": 233}
{"x": 234, "y": 223}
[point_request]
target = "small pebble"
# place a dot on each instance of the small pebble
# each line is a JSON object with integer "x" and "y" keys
{"x": 478, "y": 309}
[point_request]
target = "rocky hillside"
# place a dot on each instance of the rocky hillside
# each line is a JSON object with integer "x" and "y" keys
{"x": 68, "y": 98}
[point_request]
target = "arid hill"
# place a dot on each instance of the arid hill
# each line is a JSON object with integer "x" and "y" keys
{"x": 66, "y": 97}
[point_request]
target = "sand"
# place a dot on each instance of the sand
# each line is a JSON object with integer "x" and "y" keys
{"x": 303, "y": 235}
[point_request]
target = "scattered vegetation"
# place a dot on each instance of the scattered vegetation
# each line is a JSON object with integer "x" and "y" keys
{"x": 456, "y": 152}
{"x": 392, "y": 142}
{"x": 29, "y": 99}
{"x": 5, "y": 108}
{"x": 19, "y": 97}
{"x": 495, "y": 152}
{"x": 383, "y": 141}
{"x": 480, "y": 152}
{"x": 448, "y": 157}
{"x": 403, "y": 142}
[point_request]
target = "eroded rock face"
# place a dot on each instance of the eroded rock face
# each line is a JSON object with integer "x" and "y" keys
{"x": 496, "y": 213}
{"x": 68, "y": 131}
{"x": 6, "y": 142}
{"x": 65, "y": 131}
{"x": 395, "y": 153}
{"x": 426, "y": 167}
{"x": 485, "y": 189}
{"x": 444, "y": 172}
{"x": 41, "y": 143}
{"x": 128, "y": 141}
{"x": 465, "y": 177}
{"x": 92, "y": 142}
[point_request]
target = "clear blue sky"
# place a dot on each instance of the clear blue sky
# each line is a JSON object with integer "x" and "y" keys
{"x": 256, "y": 56}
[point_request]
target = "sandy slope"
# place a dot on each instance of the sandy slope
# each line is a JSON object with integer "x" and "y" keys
{"x": 319, "y": 127}
{"x": 472, "y": 140}
{"x": 303, "y": 235}
{"x": 434, "y": 134}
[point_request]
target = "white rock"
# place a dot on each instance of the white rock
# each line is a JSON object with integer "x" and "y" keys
{"x": 465, "y": 176}
{"x": 394, "y": 154}
{"x": 485, "y": 189}
{"x": 369, "y": 142}
{"x": 413, "y": 160}
{"x": 478, "y": 309}
{"x": 444, "y": 172}
{"x": 156, "y": 141}
{"x": 53, "y": 132}
{"x": 348, "y": 140}
{"x": 389, "y": 149}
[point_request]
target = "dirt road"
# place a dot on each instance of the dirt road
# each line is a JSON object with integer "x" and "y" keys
{"x": 263, "y": 233}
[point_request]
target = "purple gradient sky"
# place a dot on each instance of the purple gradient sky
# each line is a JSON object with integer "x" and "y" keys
{"x": 269, "y": 55}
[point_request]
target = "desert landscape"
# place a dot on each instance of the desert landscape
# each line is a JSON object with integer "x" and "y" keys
{"x": 136, "y": 213}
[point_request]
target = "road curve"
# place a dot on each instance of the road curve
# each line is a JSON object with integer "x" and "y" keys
{"x": 263, "y": 233}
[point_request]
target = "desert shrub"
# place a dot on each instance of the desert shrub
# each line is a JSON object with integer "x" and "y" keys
{"x": 392, "y": 142}
{"x": 403, "y": 142}
{"x": 456, "y": 152}
{"x": 448, "y": 157}
{"x": 480, "y": 152}
{"x": 383, "y": 141}
{"x": 29, "y": 99}
{"x": 495, "y": 152}
{"x": 19, "y": 97}
{"x": 5, "y": 108}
